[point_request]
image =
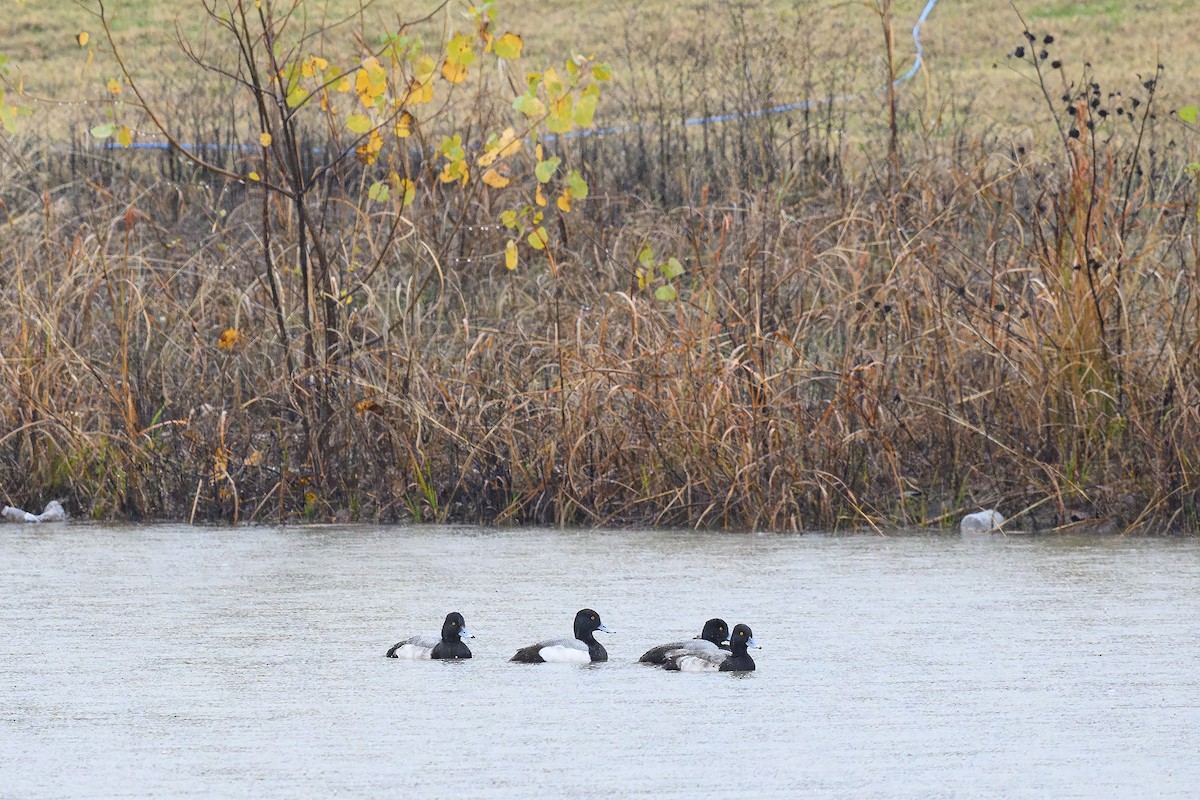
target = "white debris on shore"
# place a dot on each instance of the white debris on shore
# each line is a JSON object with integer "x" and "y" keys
{"x": 981, "y": 522}
{"x": 53, "y": 513}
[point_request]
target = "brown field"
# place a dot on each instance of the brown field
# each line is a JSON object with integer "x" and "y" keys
{"x": 966, "y": 43}
{"x": 1002, "y": 312}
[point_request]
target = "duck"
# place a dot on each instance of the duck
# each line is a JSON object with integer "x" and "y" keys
{"x": 737, "y": 660}
{"x": 583, "y": 649}
{"x": 450, "y": 647}
{"x": 712, "y": 639}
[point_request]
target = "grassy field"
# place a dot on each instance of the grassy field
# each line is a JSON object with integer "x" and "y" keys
{"x": 815, "y": 320}
{"x": 966, "y": 43}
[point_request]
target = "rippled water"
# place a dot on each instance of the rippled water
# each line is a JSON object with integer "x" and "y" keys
{"x": 197, "y": 662}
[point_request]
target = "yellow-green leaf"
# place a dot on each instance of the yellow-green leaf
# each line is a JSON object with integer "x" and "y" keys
{"x": 646, "y": 257}
{"x": 104, "y": 131}
{"x": 545, "y": 169}
{"x": 124, "y": 136}
{"x": 672, "y": 269}
{"x": 508, "y": 46}
{"x": 529, "y": 105}
{"x": 576, "y": 185}
{"x": 296, "y": 97}
{"x": 585, "y": 109}
{"x": 358, "y": 123}
{"x": 460, "y": 50}
{"x": 666, "y": 293}
{"x": 378, "y": 192}
{"x": 538, "y": 239}
{"x": 254, "y": 176}
{"x": 410, "y": 192}
{"x": 1189, "y": 113}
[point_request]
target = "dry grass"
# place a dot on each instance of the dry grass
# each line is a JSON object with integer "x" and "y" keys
{"x": 852, "y": 347}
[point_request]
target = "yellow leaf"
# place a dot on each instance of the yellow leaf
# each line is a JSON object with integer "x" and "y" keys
{"x": 454, "y": 73}
{"x": 343, "y": 85}
{"x": 264, "y": 139}
{"x": 564, "y": 201}
{"x": 409, "y": 190}
{"x": 539, "y": 197}
{"x": 124, "y": 136}
{"x": 368, "y": 151}
{"x": 510, "y": 254}
{"x": 455, "y": 170}
{"x": 404, "y": 125}
{"x": 229, "y": 339}
{"x": 82, "y": 38}
{"x": 367, "y": 404}
{"x": 505, "y": 146}
{"x": 418, "y": 92}
{"x": 114, "y": 86}
{"x": 254, "y": 459}
{"x": 509, "y": 143}
{"x": 495, "y": 179}
{"x": 253, "y": 176}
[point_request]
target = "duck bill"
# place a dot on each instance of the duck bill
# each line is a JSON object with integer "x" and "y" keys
{"x": 604, "y": 629}
{"x": 463, "y": 633}
{"x": 753, "y": 645}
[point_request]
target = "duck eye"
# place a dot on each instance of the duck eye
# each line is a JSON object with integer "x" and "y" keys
{"x": 593, "y": 619}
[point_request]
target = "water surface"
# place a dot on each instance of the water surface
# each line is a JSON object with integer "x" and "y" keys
{"x": 174, "y": 661}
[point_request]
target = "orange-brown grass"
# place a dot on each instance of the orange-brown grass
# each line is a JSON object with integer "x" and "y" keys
{"x": 857, "y": 356}
{"x": 857, "y": 342}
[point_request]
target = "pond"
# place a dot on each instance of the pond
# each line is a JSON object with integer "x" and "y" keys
{"x": 174, "y": 661}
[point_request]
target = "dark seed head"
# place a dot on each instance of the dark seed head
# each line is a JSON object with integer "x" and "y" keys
{"x": 1048, "y": 39}
{"x": 1019, "y": 52}
{"x": 1056, "y": 64}
{"x": 1074, "y": 134}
